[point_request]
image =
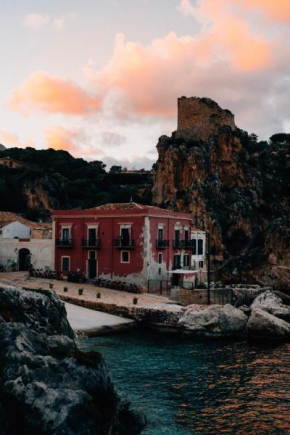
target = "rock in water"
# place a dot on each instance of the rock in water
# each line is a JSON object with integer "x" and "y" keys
{"x": 213, "y": 321}
{"x": 47, "y": 385}
{"x": 264, "y": 325}
{"x": 272, "y": 304}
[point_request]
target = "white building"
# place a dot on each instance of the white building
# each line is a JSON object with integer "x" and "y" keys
{"x": 24, "y": 243}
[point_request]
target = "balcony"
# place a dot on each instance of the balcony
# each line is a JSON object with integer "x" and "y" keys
{"x": 182, "y": 244}
{"x": 162, "y": 244}
{"x": 64, "y": 243}
{"x": 124, "y": 243}
{"x": 91, "y": 243}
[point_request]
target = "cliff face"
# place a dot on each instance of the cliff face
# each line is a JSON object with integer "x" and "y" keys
{"x": 234, "y": 186}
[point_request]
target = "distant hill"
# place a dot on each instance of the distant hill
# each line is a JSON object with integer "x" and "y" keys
{"x": 2, "y": 147}
{"x": 60, "y": 181}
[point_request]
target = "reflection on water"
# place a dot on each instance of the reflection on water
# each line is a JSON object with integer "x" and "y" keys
{"x": 188, "y": 387}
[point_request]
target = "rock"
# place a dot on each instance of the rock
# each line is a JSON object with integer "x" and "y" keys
{"x": 41, "y": 311}
{"x": 272, "y": 304}
{"x": 213, "y": 321}
{"x": 285, "y": 298}
{"x": 264, "y": 325}
{"x": 47, "y": 385}
{"x": 245, "y": 309}
{"x": 160, "y": 314}
{"x": 246, "y": 295}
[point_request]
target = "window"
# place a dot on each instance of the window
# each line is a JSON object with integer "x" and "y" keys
{"x": 92, "y": 234}
{"x": 159, "y": 271}
{"x": 186, "y": 235}
{"x": 125, "y": 257}
{"x": 160, "y": 258}
{"x": 176, "y": 263}
{"x": 201, "y": 264}
{"x": 125, "y": 235}
{"x": 65, "y": 264}
{"x": 194, "y": 265}
{"x": 186, "y": 260}
{"x": 65, "y": 233}
{"x": 176, "y": 236}
{"x": 200, "y": 247}
{"x": 193, "y": 244}
{"x": 160, "y": 234}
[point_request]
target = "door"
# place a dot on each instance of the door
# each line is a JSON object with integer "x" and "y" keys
{"x": 125, "y": 236}
{"x": 92, "y": 236}
{"x": 92, "y": 265}
{"x": 24, "y": 258}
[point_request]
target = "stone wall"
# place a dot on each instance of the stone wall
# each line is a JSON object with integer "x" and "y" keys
{"x": 201, "y": 118}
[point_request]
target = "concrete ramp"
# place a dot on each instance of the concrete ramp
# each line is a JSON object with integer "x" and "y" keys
{"x": 91, "y": 322}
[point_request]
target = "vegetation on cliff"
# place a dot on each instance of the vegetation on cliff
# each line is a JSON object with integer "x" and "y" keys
{"x": 59, "y": 181}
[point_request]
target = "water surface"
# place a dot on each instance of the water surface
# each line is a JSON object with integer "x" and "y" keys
{"x": 188, "y": 387}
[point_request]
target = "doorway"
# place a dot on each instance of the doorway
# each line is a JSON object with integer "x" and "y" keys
{"x": 24, "y": 259}
{"x": 92, "y": 265}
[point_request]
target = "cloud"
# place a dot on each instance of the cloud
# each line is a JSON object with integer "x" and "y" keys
{"x": 112, "y": 140}
{"x": 9, "y": 139}
{"x": 36, "y": 20}
{"x": 59, "y": 23}
{"x": 51, "y": 94}
{"x": 185, "y": 8}
{"x": 73, "y": 140}
{"x": 278, "y": 10}
{"x": 134, "y": 163}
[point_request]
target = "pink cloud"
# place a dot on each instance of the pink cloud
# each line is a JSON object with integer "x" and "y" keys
{"x": 50, "y": 94}
{"x": 12, "y": 140}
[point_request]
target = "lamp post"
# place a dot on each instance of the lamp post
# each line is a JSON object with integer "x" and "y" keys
{"x": 208, "y": 267}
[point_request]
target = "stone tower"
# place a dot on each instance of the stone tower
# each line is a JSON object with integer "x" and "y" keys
{"x": 200, "y": 118}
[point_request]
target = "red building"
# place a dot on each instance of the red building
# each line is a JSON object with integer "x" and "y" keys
{"x": 128, "y": 242}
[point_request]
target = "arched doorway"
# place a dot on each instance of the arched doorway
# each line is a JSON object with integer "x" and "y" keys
{"x": 24, "y": 259}
{"x": 92, "y": 265}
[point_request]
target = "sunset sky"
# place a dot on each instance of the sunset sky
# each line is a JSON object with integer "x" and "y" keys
{"x": 100, "y": 78}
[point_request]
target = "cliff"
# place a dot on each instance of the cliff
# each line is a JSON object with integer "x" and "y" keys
{"x": 234, "y": 186}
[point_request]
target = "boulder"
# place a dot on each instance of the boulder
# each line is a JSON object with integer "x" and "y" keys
{"x": 264, "y": 325}
{"x": 41, "y": 311}
{"x": 246, "y": 295}
{"x": 213, "y": 321}
{"x": 271, "y": 303}
{"x": 47, "y": 385}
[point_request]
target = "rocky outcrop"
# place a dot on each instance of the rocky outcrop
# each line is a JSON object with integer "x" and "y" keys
{"x": 213, "y": 321}
{"x": 47, "y": 385}
{"x": 234, "y": 186}
{"x": 272, "y": 304}
{"x": 264, "y": 325}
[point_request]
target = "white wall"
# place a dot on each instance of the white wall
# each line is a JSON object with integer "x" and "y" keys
{"x": 41, "y": 252}
{"x": 16, "y": 229}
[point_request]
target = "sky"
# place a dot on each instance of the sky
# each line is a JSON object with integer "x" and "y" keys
{"x": 101, "y": 78}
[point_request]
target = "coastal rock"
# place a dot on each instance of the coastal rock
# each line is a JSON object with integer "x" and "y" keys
{"x": 213, "y": 321}
{"x": 47, "y": 382}
{"x": 246, "y": 295}
{"x": 160, "y": 314}
{"x": 41, "y": 311}
{"x": 264, "y": 325}
{"x": 272, "y": 304}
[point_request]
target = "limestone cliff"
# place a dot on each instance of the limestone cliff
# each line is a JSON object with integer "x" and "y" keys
{"x": 234, "y": 186}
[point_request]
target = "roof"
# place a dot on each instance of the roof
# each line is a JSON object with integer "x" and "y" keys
{"x": 125, "y": 206}
{"x": 6, "y": 218}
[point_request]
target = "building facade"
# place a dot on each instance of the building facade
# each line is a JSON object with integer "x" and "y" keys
{"x": 24, "y": 243}
{"x": 131, "y": 243}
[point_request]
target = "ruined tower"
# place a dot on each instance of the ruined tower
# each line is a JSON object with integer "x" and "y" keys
{"x": 201, "y": 118}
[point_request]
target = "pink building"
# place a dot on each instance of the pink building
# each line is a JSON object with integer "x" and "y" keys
{"x": 128, "y": 242}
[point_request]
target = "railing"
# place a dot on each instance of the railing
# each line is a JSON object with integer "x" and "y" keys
{"x": 65, "y": 243}
{"x": 162, "y": 244}
{"x": 93, "y": 243}
{"x": 124, "y": 243}
{"x": 182, "y": 244}
{"x": 175, "y": 267}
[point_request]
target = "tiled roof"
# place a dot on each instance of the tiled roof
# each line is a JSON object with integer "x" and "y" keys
{"x": 125, "y": 206}
{"x": 6, "y": 217}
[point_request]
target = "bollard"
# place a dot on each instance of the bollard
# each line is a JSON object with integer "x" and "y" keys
{"x": 50, "y": 285}
{"x": 65, "y": 289}
{"x": 81, "y": 290}
{"x": 135, "y": 301}
{"x": 98, "y": 295}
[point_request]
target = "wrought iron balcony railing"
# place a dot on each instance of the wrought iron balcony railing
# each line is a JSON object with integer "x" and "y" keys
{"x": 162, "y": 244}
{"x": 91, "y": 243}
{"x": 124, "y": 243}
{"x": 65, "y": 243}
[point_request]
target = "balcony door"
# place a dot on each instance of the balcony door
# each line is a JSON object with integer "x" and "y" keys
{"x": 92, "y": 265}
{"x": 125, "y": 236}
{"x": 92, "y": 235}
{"x": 66, "y": 234}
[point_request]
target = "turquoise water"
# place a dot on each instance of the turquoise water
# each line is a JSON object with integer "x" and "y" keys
{"x": 188, "y": 387}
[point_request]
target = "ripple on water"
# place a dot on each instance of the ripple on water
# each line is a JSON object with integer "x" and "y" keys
{"x": 188, "y": 387}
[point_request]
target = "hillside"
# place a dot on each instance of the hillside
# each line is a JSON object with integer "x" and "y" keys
{"x": 236, "y": 187}
{"x": 56, "y": 180}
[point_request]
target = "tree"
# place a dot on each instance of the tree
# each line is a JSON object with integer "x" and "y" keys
{"x": 280, "y": 138}
{"x": 115, "y": 169}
